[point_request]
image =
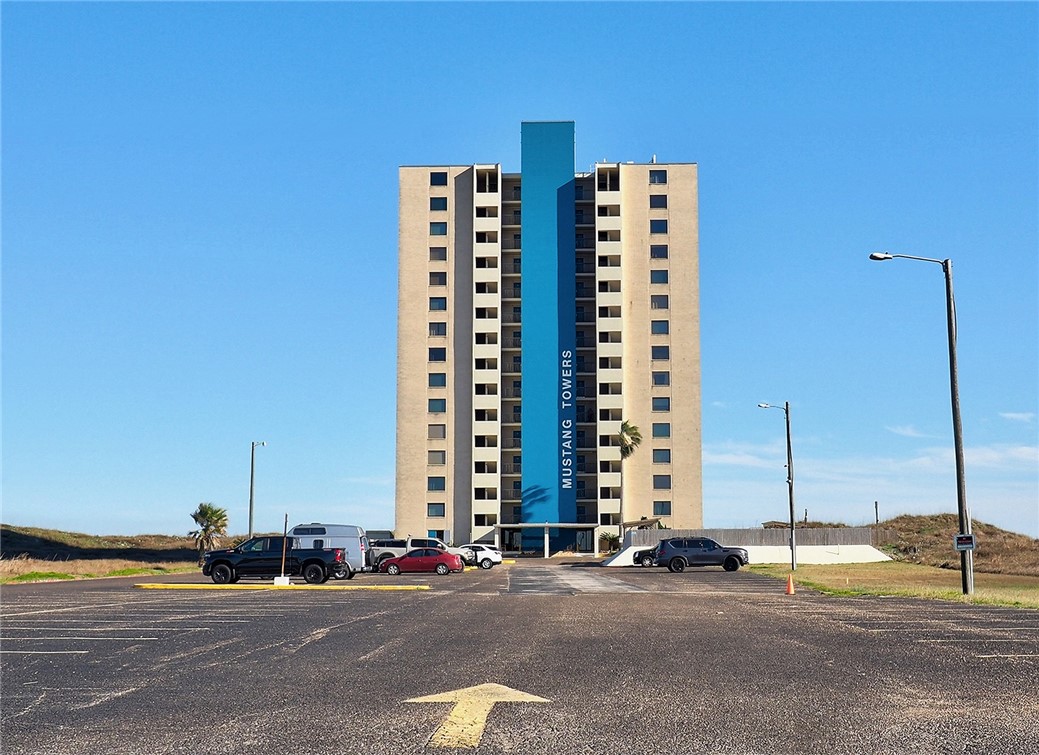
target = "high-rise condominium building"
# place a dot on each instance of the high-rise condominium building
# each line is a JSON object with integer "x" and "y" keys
{"x": 537, "y": 312}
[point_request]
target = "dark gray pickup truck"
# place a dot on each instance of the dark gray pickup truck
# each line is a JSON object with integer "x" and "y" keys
{"x": 262, "y": 556}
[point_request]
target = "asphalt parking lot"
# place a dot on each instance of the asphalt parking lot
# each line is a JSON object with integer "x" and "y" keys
{"x": 556, "y": 658}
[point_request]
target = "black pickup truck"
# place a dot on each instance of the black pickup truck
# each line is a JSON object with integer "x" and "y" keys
{"x": 261, "y": 557}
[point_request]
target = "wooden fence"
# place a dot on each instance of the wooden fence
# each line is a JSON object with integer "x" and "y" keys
{"x": 772, "y": 536}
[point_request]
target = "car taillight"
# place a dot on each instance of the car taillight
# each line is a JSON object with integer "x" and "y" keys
{"x": 339, "y": 555}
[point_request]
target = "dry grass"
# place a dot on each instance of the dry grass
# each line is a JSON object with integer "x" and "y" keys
{"x": 911, "y": 580}
{"x": 927, "y": 540}
{"x": 27, "y": 569}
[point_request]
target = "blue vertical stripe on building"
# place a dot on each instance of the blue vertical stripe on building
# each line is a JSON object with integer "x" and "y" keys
{"x": 549, "y": 413}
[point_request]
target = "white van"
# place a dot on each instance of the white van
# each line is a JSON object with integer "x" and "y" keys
{"x": 352, "y": 539}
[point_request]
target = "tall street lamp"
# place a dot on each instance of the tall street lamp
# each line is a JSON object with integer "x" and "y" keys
{"x": 789, "y": 480}
{"x": 252, "y": 478}
{"x": 966, "y": 556}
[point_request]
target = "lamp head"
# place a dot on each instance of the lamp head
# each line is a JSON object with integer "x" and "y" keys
{"x": 881, "y": 256}
{"x": 764, "y": 406}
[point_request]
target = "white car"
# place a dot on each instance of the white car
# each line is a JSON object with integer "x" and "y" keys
{"x": 484, "y": 555}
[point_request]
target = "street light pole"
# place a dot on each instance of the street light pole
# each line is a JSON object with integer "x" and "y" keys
{"x": 789, "y": 480}
{"x": 252, "y": 478}
{"x": 966, "y": 556}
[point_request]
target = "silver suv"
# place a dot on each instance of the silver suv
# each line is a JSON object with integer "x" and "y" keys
{"x": 677, "y": 553}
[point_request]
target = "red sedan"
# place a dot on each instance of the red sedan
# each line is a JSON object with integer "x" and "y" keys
{"x": 423, "y": 560}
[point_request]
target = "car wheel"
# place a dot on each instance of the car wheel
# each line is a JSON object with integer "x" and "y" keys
{"x": 393, "y": 570}
{"x": 486, "y": 564}
{"x": 443, "y": 569}
{"x": 222, "y": 574}
{"x": 349, "y": 573}
{"x": 647, "y": 560}
{"x": 676, "y": 565}
{"x": 731, "y": 564}
{"x": 314, "y": 574}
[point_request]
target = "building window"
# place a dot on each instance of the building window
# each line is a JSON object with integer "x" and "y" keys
{"x": 435, "y": 509}
{"x": 438, "y": 329}
{"x": 437, "y": 303}
{"x": 438, "y": 178}
{"x": 438, "y": 534}
{"x": 658, "y": 251}
{"x": 438, "y": 229}
{"x": 661, "y": 455}
{"x": 658, "y": 301}
{"x": 436, "y": 458}
{"x": 438, "y": 355}
{"x": 660, "y": 352}
{"x": 661, "y": 403}
{"x": 660, "y": 481}
{"x": 437, "y": 432}
{"x": 655, "y": 276}
{"x": 661, "y": 378}
{"x": 659, "y": 327}
{"x": 661, "y": 429}
{"x": 657, "y": 177}
{"x": 438, "y": 405}
{"x": 440, "y": 203}
{"x": 656, "y": 201}
{"x": 655, "y": 226}
{"x": 438, "y": 253}
{"x": 440, "y": 279}
{"x": 438, "y": 380}
{"x": 440, "y": 483}
{"x": 485, "y": 520}
{"x": 661, "y": 508}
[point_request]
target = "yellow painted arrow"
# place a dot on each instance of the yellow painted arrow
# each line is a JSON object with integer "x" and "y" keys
{"x": 464, "y": 724}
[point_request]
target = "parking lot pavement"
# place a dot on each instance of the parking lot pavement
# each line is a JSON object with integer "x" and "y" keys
{"x": 593, "y": 661}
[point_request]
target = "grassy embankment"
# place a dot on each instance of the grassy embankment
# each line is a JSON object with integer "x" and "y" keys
{"x": 28, "y": 554}
{"x": 1006, "y": 565}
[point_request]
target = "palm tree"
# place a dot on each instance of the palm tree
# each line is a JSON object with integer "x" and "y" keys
{"x": 630, "y": 437}
{"x": 212, "y": 525}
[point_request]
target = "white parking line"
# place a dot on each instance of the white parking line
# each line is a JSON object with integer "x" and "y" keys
{"x": 1018, "y": 655}
{"x": 80, "y": 639}
{"x": 114, "y": 629}
{"x": 43, "y": 652}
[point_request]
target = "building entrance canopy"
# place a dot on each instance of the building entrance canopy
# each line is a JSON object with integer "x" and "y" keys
{"x": 546, "y": 526}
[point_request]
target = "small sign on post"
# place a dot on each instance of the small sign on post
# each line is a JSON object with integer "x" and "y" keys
{"x": 964, "y": 542}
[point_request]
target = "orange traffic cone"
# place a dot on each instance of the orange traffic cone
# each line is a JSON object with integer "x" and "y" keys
{"x": 790, "y": 585}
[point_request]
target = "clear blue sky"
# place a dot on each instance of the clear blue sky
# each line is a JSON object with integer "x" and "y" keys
{"x": 200, "y": 219}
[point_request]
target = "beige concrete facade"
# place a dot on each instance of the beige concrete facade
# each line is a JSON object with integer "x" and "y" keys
{"x": 459, "y": 460}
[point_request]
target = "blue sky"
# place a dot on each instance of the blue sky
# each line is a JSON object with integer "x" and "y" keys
{"x": 199, "y": 240}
